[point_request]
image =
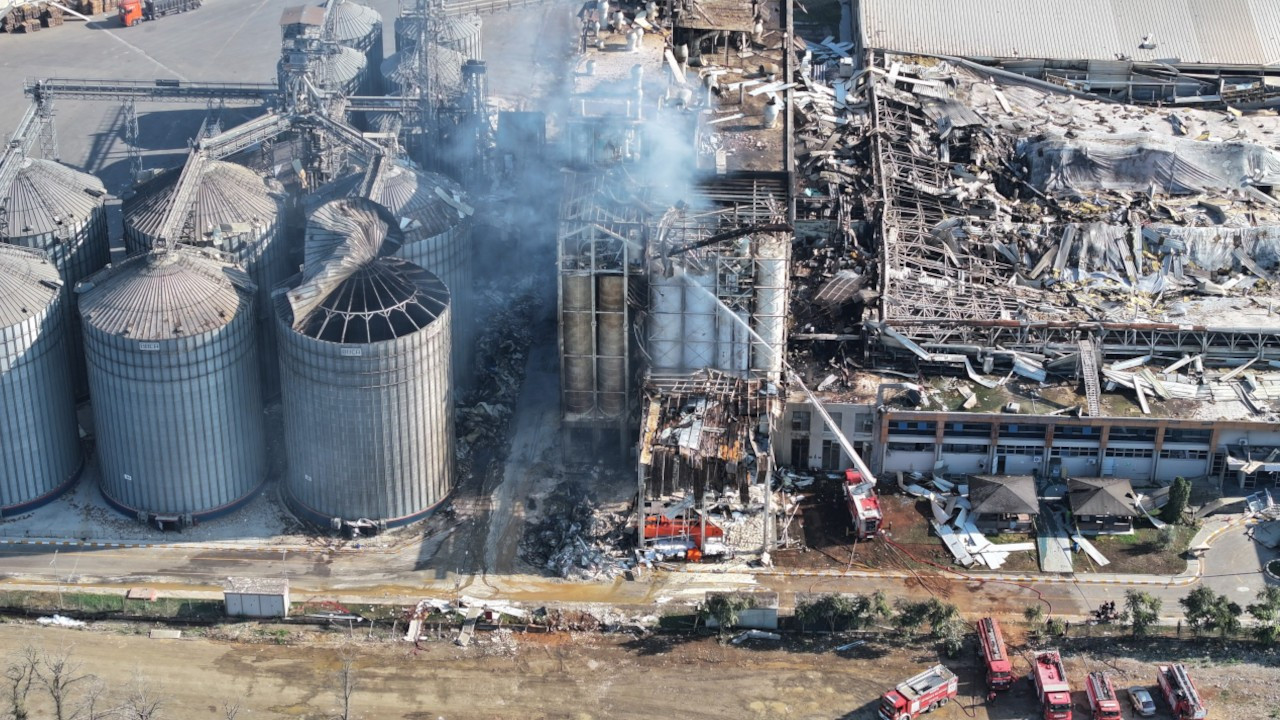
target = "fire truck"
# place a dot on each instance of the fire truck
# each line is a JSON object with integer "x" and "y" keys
{"x": 1181, "y": 693}
{"x": 1050, "y": 679}
{"x": 1102, "y": 697}
{"x": 994, "y": 655}
{"x": 923, "y": 693}
{"x": 864, "y": 505}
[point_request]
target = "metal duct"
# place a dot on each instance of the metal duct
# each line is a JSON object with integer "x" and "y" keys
{"x": 39, "y": 444}
{"x": 173, "y": 368}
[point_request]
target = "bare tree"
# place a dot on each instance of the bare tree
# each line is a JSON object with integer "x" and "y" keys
{"x": 230, "y": 709}
{"x": 93, "y": 702}
{"x": 19, "y": 673}
{"x": 143, "y": 701}
{"x": 58, "y": 672}
{"x": 346, "y": 680}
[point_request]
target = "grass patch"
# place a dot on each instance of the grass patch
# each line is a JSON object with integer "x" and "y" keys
{"x": 1141, "y": 552}
{"x": 110, "y": 604}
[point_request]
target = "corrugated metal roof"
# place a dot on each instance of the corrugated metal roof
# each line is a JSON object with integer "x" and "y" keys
{"x": 46, "y": 194}
{"x": 411, "y": 194}
{"x": 229, "y": 194}
{"x": 164, "y": 295}
{"x": 1235, "y": 32}
{"x": 457, "y": 27}
{"x": 355, "y": 25}
{"x": 28, "y": 283}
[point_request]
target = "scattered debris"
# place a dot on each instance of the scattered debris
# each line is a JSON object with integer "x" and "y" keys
{"x": 574, "y": 539}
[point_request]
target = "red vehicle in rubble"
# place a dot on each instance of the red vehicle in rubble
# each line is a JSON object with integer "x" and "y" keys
{"x": 1103, "y": 702}
{"x": 864, "y": 504}
{"x": 1050, "y": 679}
{"x": 994, "y": 655}
{"x": 923, "y": 693}
{"x": 1181, "y": 693}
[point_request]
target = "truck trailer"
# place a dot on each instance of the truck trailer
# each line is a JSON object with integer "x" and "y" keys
{"x": 923, "y": 693}
{"x": 133, "y": 12}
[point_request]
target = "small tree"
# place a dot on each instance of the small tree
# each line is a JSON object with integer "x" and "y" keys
{"x": 1141, "y": 611}
{"x": 1267, "y": 612}
{"x": 58, "y": 672}
{"x": 1179, "y": 496}
{"x": 19, "y": 673}
{"x": 143, "y": 702}
{"x": 230, "y": 710}
{"x": 346, "y": 680}
{"x": 1034, "y": 614}
{"x": 93, "y": 702}
{"x": 942, "y": 618}
{"x": 1206, "y": 611}
{"x": 725, "y": 609}
{"x": 1056, "y": 626}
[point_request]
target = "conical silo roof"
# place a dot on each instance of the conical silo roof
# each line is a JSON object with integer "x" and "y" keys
{"x": 164, "y": 295}
{"x": 229, "y": 194}
{"x": 412, "y": 194}
{"x": 402, "y": 68}
{"x": 47, "y": 195}
{"x": 351, "y": 290}
{"x": 453, "y": 28}
{"x": 28, "y": 283}
{"x": 338, "y": 68}
{"x": 355, "y": 25}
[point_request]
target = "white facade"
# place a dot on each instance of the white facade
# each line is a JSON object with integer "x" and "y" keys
{"x": 257, "y": 598}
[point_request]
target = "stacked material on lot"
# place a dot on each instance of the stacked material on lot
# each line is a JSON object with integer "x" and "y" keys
{"x": 61, "y": 211}
{"x": 236, "y": 212}
{"x": 364, "y": 340}
{"x": 359, "y": 27}
{"x": 173, "y": 367}
{"x": 39, "y": 446}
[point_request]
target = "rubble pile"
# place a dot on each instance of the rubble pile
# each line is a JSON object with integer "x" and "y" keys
{"x": 501, "y": 350}
{"x": 574, "y": 539}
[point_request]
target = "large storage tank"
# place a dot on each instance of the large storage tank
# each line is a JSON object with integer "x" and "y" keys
{"x": 235, "y": 212}
{"x": 61, "y": 211}
{"x": 359, "y": 27}
{"x": 173, "y": 368}
{"x": 39, "y": 442}
{"x": 436, "y": 236}
{"x": 401, "y": 74}
{"x": 368, "y": 404}
{"x": 462, "y": 34}
{"x": 333, "y": 67}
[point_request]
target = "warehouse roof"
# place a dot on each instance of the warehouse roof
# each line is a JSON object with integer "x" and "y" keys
{"x": 1234, "y": 32}
{"x": 1101, "y": 496}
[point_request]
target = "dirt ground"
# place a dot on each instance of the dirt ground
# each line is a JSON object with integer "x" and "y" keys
{"x": 290, "y": 673}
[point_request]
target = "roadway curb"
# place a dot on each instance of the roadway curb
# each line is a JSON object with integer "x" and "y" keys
{"x": 166, "y": 546}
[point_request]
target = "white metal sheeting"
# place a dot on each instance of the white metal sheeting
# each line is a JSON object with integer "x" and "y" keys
{"x": 1237, "y": 32}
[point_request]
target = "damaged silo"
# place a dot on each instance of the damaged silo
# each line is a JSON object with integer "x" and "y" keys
{"x": 39, "y": 440}
{"x": 359, "y": 27}
{"x": 402, "y": 72}
{"x": 54, "y": 208}
{"x": 365, "y": 342}
{"x": 236, "y": 212}
{"x": 173, "y": 368}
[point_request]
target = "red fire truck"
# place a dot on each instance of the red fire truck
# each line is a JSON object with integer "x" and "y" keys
{"x": 923, "y": 693}
{"x": 1050, "y": 678}
{"x": 1102, "y": 697}
{"x": 1181, "y": 693}
{"x": 864, "y": 505}
{"x": 994, "y": 655}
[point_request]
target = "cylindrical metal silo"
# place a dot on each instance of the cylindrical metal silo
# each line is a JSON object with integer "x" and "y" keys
{"x": 579, "y": 366}
{"x": 173, "y": 368}
{"x": 359, "y": 27}
{"x": 59, "y": 210}
{"x": 39, "y": 440}
{"x": 402, "y": 74}
{"x": 235, "y": 212}
{"x": 407, "y": 30}
{"x": 461, "y": 34}
{"x": 611, "y": 338}
{"x": 368, "y": 404}
{"x": 331, "y": 67}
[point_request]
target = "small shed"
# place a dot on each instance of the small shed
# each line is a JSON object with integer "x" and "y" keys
{"x": 1003, "y": 503}
{"x": 761, "y": 615}
{"x": 1102, "y": 506}
{"x": 257, "y": 597}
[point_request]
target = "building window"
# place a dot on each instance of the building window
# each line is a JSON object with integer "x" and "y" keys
{"x": 1187, "y": 435}
{"x": 1184, "y": 454}
{"x": 1070, "y": 452}
{"x": 837, "y": 419}
{"x": 800, "y": 452}
{"x": 967, "y": 429}
{"x": 862, "y": 423}
{"x": 1076, "y": 431}
{"x": 1017, "y": 430}
{"x": 832, "y": 457}
{"x": 1114, "y": 452}
{"x": 909, "y": 447}
{"x": 800, "y": 420}
{"x": 1019, "y": 450}
{"x": 1132, "y": 434}
{"x": 906, "y": 427}
{"x": 964, "y": 449}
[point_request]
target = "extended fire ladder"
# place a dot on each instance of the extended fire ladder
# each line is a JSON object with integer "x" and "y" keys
{"x": 1177, "y": 677}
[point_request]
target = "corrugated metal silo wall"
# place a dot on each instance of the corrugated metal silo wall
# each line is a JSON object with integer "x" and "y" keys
{"x": 406, "y": 32}
{"x": 466, "y": 37}
{"x": 82, "y": 251}
{"x": 450, "y": 256}
{"x": 367, "y": 435}
{"x": 39, "y": 441}
{"x": 264, "y": 254}
{"x": 179, "y": 427}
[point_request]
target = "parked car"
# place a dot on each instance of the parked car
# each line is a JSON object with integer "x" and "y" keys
{"x": 1142, "y": 702}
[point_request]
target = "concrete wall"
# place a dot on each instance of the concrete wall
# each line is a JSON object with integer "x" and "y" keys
{"x": 256, "y": 605}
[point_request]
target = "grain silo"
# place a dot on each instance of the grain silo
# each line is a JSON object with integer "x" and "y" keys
{"x": 39, "y": 437}
{"x": 61, "y": 211}
{"x": 359, "y": 27}
{"x": 236, "y": 212}
{"x": 402, "y": 73}
{"x": 330, "y": 67}
{"x": 434, "y": 215}
{"x": 173, "y": 369}
{"x": 460, "y": 33}
{"x": 408, "y": 28}
{"x": 368, "y": 404}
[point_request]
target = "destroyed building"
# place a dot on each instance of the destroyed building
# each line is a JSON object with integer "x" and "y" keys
{"x": 1052, "y": 254}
